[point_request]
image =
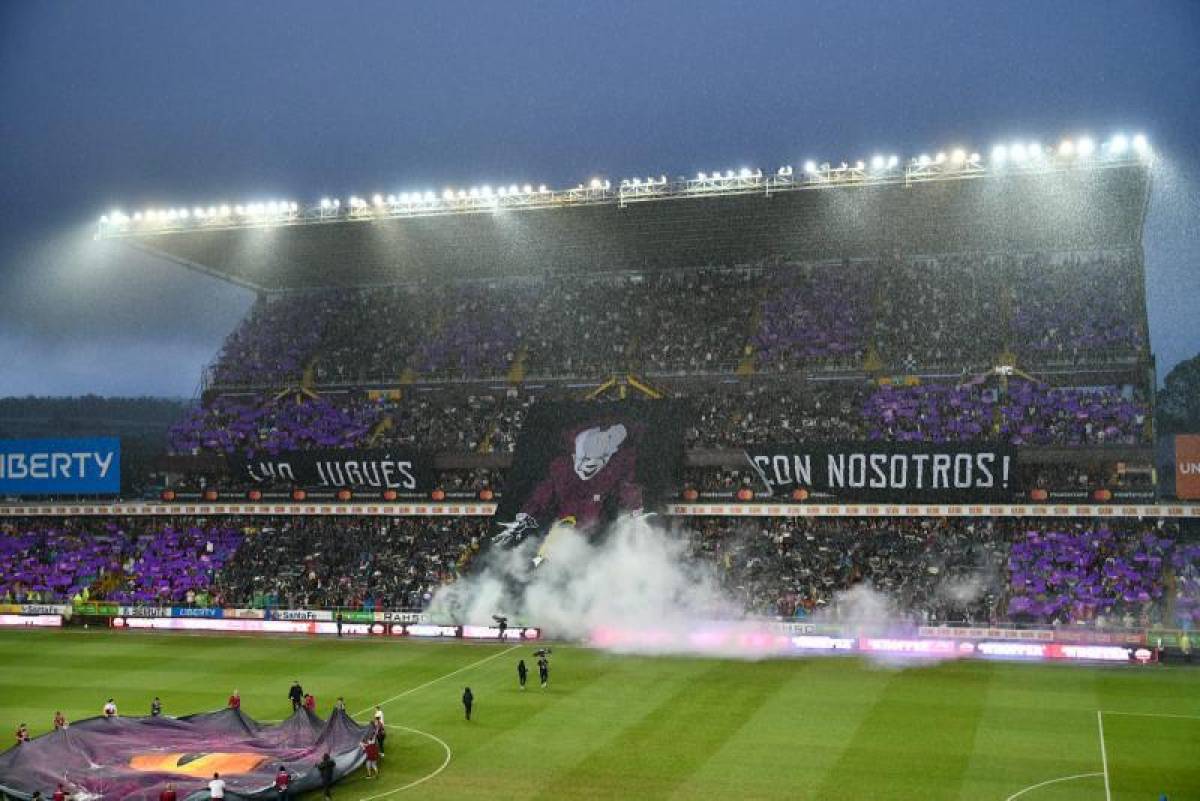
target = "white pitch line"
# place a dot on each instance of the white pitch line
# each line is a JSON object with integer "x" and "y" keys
{"x": 398, "y": 696}
{"x": 1103, "y": 755}
{"x": 423, "y": 779}
{"x": 1152, "y": 715}
{"x": 1032, "y": 787}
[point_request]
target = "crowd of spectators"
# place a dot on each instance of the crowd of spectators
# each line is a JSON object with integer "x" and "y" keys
{"x": 940, "y": 570}
{"x": 133, "y": 560}
{"x": 919, "y": 570}
{"x": 362, "y": 563}
{"x": 924, "y": 570}
{"x": 949, "y": 312}
{"x": 1068, "y": 573}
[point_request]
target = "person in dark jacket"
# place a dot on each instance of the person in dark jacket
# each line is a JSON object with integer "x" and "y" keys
{"x": 468, "y": 700}
{"x": 296, "y": 695}
{"x": 522, "y": 673}
{"x": 325, "y": 768}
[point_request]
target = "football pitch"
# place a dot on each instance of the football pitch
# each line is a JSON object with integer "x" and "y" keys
{"x": 624, "y": 727}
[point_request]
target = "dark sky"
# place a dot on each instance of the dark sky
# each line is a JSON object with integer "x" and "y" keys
{"x": 134, "y": 104}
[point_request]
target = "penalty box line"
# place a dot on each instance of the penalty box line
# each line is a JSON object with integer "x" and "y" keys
{"x": 431, "y": 682}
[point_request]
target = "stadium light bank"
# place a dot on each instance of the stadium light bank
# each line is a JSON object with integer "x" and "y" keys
{"x": 1020, "y": 157}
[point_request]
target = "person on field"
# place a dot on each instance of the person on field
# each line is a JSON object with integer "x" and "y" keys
{"x": 296, "y": 695}
{"x": 544, "y": 670}
{"x": 22, "y": 734}
{"x": 379, "y": 731}
{"x": 282, "y": 780}
{"x": 156, "y": 708}
{"x": 60, "y": 721}
{"x": 371, "y": 751}
{"x": 235, "y": 700}
{"x": 1185, "y": 647}
{"x": 310, "y": 703}
{"x": 60, "y": 793}
{"x": 110, "y": 709}
{"x": 168, "y": 793}
{"x": 216, "y": 787}
{"x": 340, "y": 704}
{"x": 325, "y": 769}
{"x": 468, "y": 700}
{"x": 522, "y": 673}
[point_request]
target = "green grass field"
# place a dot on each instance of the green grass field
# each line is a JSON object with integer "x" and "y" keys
{"x": 618, "y": 727}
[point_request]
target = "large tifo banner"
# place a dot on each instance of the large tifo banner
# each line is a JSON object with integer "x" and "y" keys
{"x": 889, "y": 472}
{"x": 355, "y": 469}
{"x": 586, "y": 463}
{"x": 60, "y": 466}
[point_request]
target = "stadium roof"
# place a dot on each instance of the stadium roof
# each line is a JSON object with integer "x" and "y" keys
{"x": 1074, "y": 197}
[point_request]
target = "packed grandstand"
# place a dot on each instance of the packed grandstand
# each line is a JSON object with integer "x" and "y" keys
{"x": 838, "y": 310}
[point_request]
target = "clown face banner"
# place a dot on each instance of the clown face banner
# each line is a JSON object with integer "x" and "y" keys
{"x": 584, "y": 464}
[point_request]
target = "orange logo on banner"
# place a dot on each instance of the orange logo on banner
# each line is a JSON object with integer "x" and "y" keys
{"x": 1187, "y": 467}
{"x": 201, "y": 765}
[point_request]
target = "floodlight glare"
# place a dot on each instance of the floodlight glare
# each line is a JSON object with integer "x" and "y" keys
{"x": 958, "y": 156}
{"x": 860, "y": 165}
{"x": 1066, "y": 148}
{"x": 1085, "y": 147}
{"x": 877, "y": 162}
{"x": 391, "y": 199}
{"x": 1140, "y": 145}
{"x": 448, "y": 195}
{"x": 595, "y": 183}
{"x": 999, "y": 155}
{"x": 810, "y": 167}
{"x": 924, "y": 160}
{"x": 224, "y": 211}
{"x": 1118, "y": 145}
{"x": 892, "y": 161}
{"x": 744, "y": 172}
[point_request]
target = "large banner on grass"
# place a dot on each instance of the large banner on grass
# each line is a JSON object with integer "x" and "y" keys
{"x": 886, "y": 472}
{"x": 587, "y": 463}
{"x": 355, "y": 469}
{"x": 31, "y": 467}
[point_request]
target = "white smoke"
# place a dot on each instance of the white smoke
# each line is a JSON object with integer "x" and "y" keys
{"x": 637, "y": 580}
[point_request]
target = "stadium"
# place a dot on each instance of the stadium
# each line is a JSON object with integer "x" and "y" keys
{"x": 855, "y": 460}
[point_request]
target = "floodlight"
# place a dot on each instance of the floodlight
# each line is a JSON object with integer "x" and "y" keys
{"x": 595, "y": 184}
{"x": 999, "y": 155}
{"x": 429, "y": 197}
{"x": 1118, "y": 145}
{"x": 527, "y": 189}
{"x": 104, "y": 219}
{"x": 877, "y": 162}
{"x": 892, "y": 161}
{"x": 923, "y": 160}
{"x": 729, "y": 173}
{"x": 137, "y": 216}
{"x": 448, "y": 195}
{"x": 958, "y": 156}
{"x": 744, "y": 172}
{"x": 1085, "y": 147}
{"x": 1066, "y": 148}
{"x": 940, "y": 157}
{"x": 391, "y": 199}
{"x": 1140, "y": 145}
{"x": 224, "y": 211}
{"x": 974, "y": 158}
{"x": 462, "y": 194}
{"x": 859, "y": 165}
{"x": 542, "y": 189}
{"x": 198, "y": 213}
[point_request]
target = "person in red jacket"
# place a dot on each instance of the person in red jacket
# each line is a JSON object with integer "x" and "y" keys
{"x": 282, "y": 780}
{"x": 235, "y": 700}
{"x": 371, "y": 750}
{"x": 310, "y": 703}
{"x": 59, "y": 793}
{"x": 168, "y": 793}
